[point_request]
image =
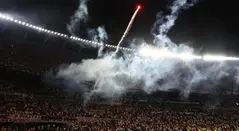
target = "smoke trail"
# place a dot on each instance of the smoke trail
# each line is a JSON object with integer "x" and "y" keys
{"x": 164, "y": 23}
{"x": 78, "y": 25}
{"x": 128, "y": 28}
{"x": 79, "y": 18}
{"x": 113, "y": 76}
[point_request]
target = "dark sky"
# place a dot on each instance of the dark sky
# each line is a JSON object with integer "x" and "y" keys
{"x": 211, "y": 25}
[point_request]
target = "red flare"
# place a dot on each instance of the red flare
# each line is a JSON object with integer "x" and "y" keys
{"x": 139, "y": 7}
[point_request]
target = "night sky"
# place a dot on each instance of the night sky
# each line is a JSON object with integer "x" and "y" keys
{"x": 211, "y": 25}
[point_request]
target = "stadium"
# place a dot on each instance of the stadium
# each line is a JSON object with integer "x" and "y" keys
{"x": 86, "y": 77}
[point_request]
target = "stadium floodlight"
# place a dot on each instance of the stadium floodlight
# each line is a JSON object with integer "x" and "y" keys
{"x": 9, "y": 18}
{"x": 2, "y": 16}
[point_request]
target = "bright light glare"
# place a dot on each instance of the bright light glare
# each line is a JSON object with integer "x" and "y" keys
{"x": 188, "y": 56}
{"x": 153, "y": 52}
{"x": 164, "y": 53}
{"x": 219, "y": 58}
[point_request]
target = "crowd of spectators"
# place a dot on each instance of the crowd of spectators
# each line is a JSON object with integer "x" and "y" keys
{"x": 44, "y": 112}
{"x": 117, "y": 117}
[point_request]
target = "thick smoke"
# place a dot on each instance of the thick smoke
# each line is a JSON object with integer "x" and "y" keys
{"x": 112, "y": 76}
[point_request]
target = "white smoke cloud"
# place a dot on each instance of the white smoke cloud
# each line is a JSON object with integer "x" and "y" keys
{"x": 114, "y": 76}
